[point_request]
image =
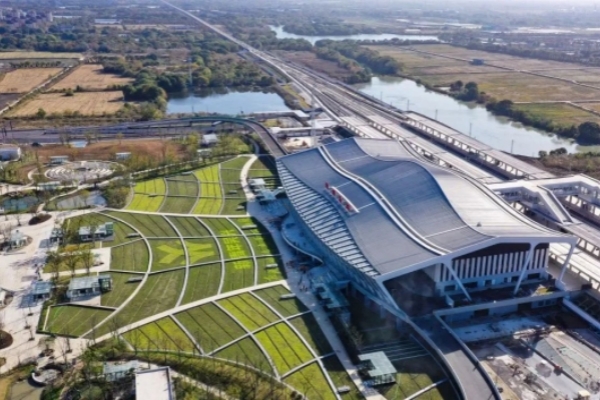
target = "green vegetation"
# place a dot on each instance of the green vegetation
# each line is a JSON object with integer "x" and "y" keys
{"x": 311, "y": 382}
{"x": 121, "y": 289}
{"x": 210, "y": 326}
{"x": 167, "y": 253}
{"x": 148, "y": 225}
{"x": 309, "y": 328}
{"x": 221, "y": 226}
{"x": 189, "y": 227}
{"x": 413, "y": 375}
{"x": 178, "y": 205}
{"x": 180, "y": 186}
{"x": 238, "y": 274}
{"x": 234, "y": 247}
{"x": 159, "y": 293}
{"x": 163, "y": 334}
{"x": 284, "y": 347}
{"x": 208, "y": 206}
{"x": 202, "y": 250}
{"x": 285, "y": 307}
{"x": 93, "y": 219}
{"x": 153, "y": 187}
{"x": 203, "y": 282}
{"x": 266, "y": 273}
{"x": 263, "y": 245}
{"x": 249, "y": 221}
{"x": 246, "y": 352}
{"x": 71, "y": 320}
{"x": 234, "y": 206}
{"x": 235, "y": 164}
{"x": 132, "y": 256}
{"x": 249, "y": 311}
{"x": 145, "y": 202}
{"x": 340, "y": 377}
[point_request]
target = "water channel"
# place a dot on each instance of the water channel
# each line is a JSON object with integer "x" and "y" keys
{"x": 225, "y": 101}
{"x": 497, "y": 132}
{"x": 281, "y": 34}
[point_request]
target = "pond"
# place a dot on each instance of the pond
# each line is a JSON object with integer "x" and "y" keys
{"x": 281, "y": 34}
{"x": 225, "y": 101}
{"x": 497, "y": 132}
{"x": 78, "y": 201}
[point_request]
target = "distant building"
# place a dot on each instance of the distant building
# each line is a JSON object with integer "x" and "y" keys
{"x": 154, "y": 384}
{"x": 122, "y": 156}
{"x": 477, "y": 61}
{"x": 209, "y": 139}
{"x": 101, "y": 232}
{"x": 10, "y": 153}
{"x": 57, "y": 160}
{"x": 89, "y": 286}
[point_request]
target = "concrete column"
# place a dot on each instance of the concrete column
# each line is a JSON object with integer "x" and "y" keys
{"x": 566, "y": 264}
{"x": 524, "y": 268}
{"x": 457, "y": 279}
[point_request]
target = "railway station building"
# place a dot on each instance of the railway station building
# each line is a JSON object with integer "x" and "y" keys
{"x": 397, "y": 227}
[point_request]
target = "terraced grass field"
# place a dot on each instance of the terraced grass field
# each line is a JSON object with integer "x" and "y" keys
{"x": 145, "y": 202}
{"x": 238, "y": 274}
{"x": 149, "y": 225}
{"x": 311, "y": 382}
{"x": 202, "y": 250}
{"x": 74, "y": 320}
{"x": 203, "y": 282}
{"x": 178, "y": 205}
{"x": 121, "y": 289}
{"x": 286, "y": 307}
{"x": 133, "y": 256}
{"x": 251, "y": 313}
{"x": 167, "y": 253}
{"x": 284, "y": 347}
{"x": 190, "y": 227}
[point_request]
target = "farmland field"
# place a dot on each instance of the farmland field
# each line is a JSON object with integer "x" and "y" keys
{"x": 163, "y": 334}
{"x": 15, "y": 55}
{"x": 86, "y": 103}
{"x": 238, "y": 274}
{"x": 144, "y": 202}
{"x": 189, "y": 227}
{"x": 311, "y": 382}
{"x": 202, "y": 250}
{"x": 561, "y": 114}
{"x": 284, "y": 347}
{"x": 270, "y": 269}
{"x": 149, "y": 225}
{"x": 167, "y": 254}
{"x": 183, "y": 187}
{"x": 249, "y": 311}
{"x": 234, "y": 247}
{"x": 247, "y": 352}
{"x": 285, "y": 307}
{"x": 178, "y": 205}
{"x": 23, "y": 80}
{"x": 132, "y": 256}
{"x": 221, "y": 226}
{"x": 121, "y": 290}
{"x": 153, "y": 186}
{"x": 90, "y": 76}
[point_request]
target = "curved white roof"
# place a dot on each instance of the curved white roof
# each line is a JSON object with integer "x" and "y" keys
{"x": 408, "y": 211}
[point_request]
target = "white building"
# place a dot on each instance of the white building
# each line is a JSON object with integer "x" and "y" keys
{"x": 154, "y": 384}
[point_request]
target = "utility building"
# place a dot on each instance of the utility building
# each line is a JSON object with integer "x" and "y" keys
{"x": 397, "y": 227}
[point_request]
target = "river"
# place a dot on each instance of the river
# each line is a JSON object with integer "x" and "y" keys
{"x": 225, "y": 101}
{"x": 497, "y": 132}
{"x": 281, "y": 34}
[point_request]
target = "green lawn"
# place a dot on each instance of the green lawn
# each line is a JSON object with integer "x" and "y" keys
{"x": 310, "y": 330}
{"x": 234, "y": 206}
{"x": 153, "y": 186}
{"x": 178, "y": 205}
{"x": 311, "y": 382}
{"x": 210, "y": 326}
{"x": 202, "y": 250}
{"x": 284, "y": 347}
{"x": 167, "y": 253}
{"x": 249, "y": 311}
{"x": 221, "y": 226}
{"x": 250, "y": 226}
{"x": 413, "y": 375}
{"x": 148, "y": 225}
{"x": 561, "y": 114}
{"x": 183, "y": 187}
{"x": 74, "y": 320}
{"x": 236, "y": 163}
{"x": 189, "y": 227}
{"x": 121, "y": 230}
{"x": 159, "y": 293}
{"x": 263, "y": 245}
{"x": 203, "y": 282}
{"x": 132, "y": 256}
{"x": 121, "y": 290}
{"x": 144, "y": 202}
{"x": 238, "y": 274}
{"x": 234, "y": 247}
{"x": 163, "y": 334}
{"x": 231, "y": 175}
{"x": 270, "y": 274}
{"x": 246, "y": 352}
{"x": 208, "y": 175}
{"x": 340, "y": 377}
{"x": 208, "y": 206}
{"x": 286, "y": 307}
{"x": 263, "y": 166}
{"x": 233, "y": 189}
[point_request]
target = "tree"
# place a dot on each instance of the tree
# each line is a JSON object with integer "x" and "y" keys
{"x": 589, "y": 132}
{"x": 41, "y": 113}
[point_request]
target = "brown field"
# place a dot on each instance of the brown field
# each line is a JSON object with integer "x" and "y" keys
{"x": 86, "y": 103}
{"x": 562, "y": 114}
{"x": 591, "y": 106}
{"x": 16, "y": 55}
{"x": 310, "y": 60}
{"x": 90, "y": 77}
{"x": 25, "y": 79}
{"x": 105, "y": 150}
{"x": 587, "y": 76}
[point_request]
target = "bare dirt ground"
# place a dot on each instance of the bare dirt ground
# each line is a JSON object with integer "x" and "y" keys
{"x": 23, "y": 80}
{"x": 91, "y": 77}
{"x": 85, "y": 103}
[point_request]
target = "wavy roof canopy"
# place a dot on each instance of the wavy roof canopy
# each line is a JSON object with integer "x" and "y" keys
{"x": 409, "y": 211}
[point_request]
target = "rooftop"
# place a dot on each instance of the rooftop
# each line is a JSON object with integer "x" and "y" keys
{"x": 86, "y": 282}
{"x": 154, "y": 384}
{"x": 384, "y": 211}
